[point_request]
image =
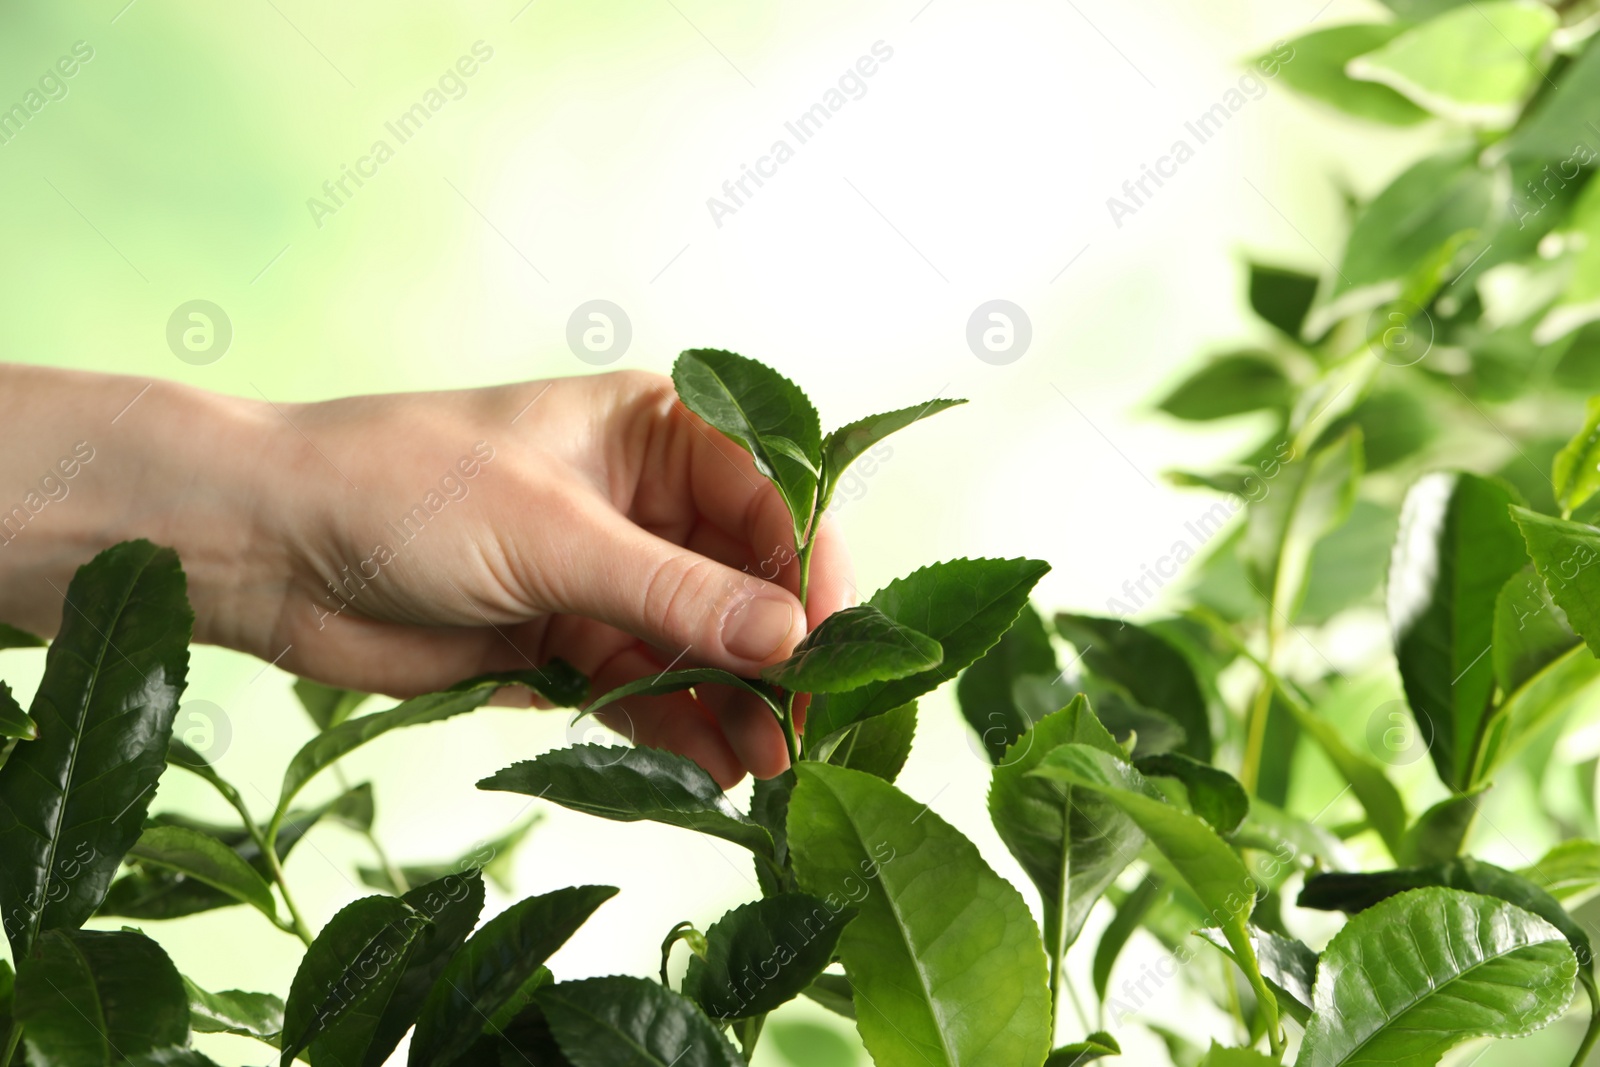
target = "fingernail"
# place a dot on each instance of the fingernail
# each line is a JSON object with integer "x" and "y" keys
{"x": 758, "y": 628}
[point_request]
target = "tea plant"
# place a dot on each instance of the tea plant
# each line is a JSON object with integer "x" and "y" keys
{"x": 1200, "y": 781}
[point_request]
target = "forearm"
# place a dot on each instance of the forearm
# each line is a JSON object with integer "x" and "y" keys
{"x": 88, "y": 460}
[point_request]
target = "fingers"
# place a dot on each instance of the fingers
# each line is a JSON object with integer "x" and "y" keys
{"x": 750, "y": 727}
{"x": 676, "y": 600}
{"x": 675, "y": 721}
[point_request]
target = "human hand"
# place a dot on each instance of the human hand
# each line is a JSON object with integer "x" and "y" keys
{"x": 400, "y": 543}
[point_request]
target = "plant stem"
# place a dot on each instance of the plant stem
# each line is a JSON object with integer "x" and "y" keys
{"x": 1255, "y": 736}
{"x": 791, "y": 736}
{"x": 1590, "y": 1035}
{"x": 267, "y": 843}
{"x": 1260, "y": 709}
{"x": 397, "y": 877}
{"x": 11, "y": 1045}
{"x": 749, "y": 1034}
{"x": 301, "y": 930}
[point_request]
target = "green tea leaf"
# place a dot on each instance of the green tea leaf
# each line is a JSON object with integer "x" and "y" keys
{"x": 1563, "y": 553}
{"x": 1541, "y": 700}
{"x": 1530, "y": 630}
{"x": 1154, "y": 673}
{"x": 631, "y": 785}
{"x": 764, "y": 954}
{"x": 493, "y": 967}
{"x": 1427, "y": 208}
{"x": 677, "y": 681}
{"x": 11, "y": 637}
{"x": 1410, "y": 978}
{"x": 936, "y": 932}
{"x": 87, "y": 998}
{"x": 1318, "y": 70}
{"x": 1559, "y": 120}
{"x": 1308, "y": 499}
{"x": 1570, "y": 871}
{"x": 232, "y": 1011}
{"x": 965, "y": 605}
{"x": 1288, "y": 966}
{"x": 148, "y": 891}
{"x": 1282, "y": 296}
{"x": 631, "y": 1022}
{"x": 851, "y": 648}
{"x": 366, "y": 1027}
{"x": 1072, "y": 844}
{"x": 73, "y": 802}
{"x": 1097, "y": 1045}
{"x": 361, "y": 952}
{"x": 880, "y": 745}
{"x": 752, "y": 403}
{"x": 1130, "y": 913}
{"x": 14, "y": 722}
{"x": 1229, "y": 385}
{"x": 1349, "y": 562}
{"x": 845, "y": 445}
{"x": 326, "y": 705}
{"x": 1456, "y": 548}
{"x": 1475, "y": 64}
{"x": 555, "y": 682}
{"x": 1440, "y": 833}
{"x": 1214, "y": 795}
{"x": 1579, "y": 305}
{"x": 204, "y": 858}
{"x": 1352, "y": 893}
{"x": 834, "y": 992}
{"x": 1212, "y": 870}
{"x": 1576, "y": 470}
{"x": 986, "y": 689}
{"x": 769, "y": 809}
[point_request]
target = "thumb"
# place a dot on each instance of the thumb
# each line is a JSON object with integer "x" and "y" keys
{"x": 676, "y": 599}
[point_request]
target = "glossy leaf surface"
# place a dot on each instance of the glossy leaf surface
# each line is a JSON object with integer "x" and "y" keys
{"x": 1410, "y": 978}
{"x": 922, "y": 996}
{"x": 965, "y": 605}
{"x": 73, "y": 802}
{"x": 763, "y": 954}
{"x": 494, "y": 966}
{"x": 630, "y": 785}
{"x": 851, "y": 648}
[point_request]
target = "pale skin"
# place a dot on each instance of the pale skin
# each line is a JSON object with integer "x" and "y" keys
{"x": 601, "y": 523}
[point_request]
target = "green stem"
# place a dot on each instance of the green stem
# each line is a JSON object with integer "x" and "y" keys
{"x": 1590, "y": 1035}
{"x": 1255, "y": 736}
{"x": 267, "y": 843}
{"x": 397, "y": 877}
{"x": 791, "y": 736}
{"x": 749, "y": 1034}
{"x": 11, "y": 1045}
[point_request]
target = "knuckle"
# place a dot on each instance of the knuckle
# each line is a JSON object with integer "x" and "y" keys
{"x": 684, "y": 594}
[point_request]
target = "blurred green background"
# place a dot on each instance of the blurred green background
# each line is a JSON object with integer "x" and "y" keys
{"x": 575, "y": 164}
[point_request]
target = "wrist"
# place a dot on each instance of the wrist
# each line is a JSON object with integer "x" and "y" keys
{"x": 91, "y": 460}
